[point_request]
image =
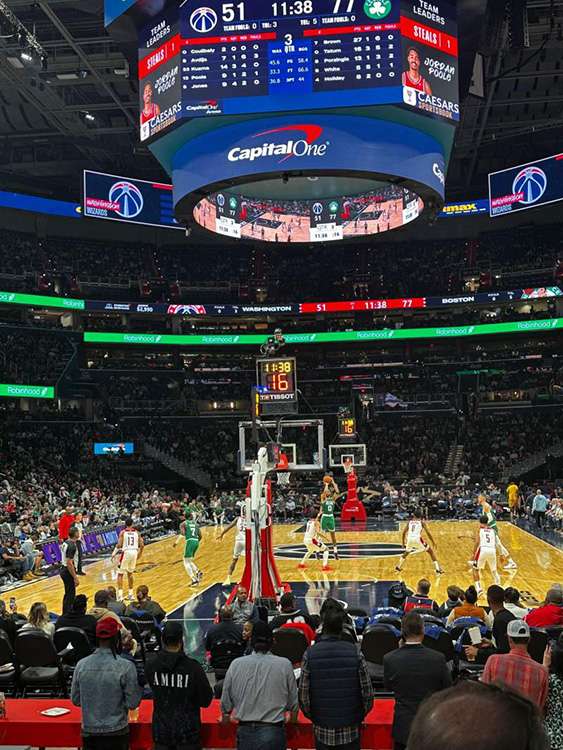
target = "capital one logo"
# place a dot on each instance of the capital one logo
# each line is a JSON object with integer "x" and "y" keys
{"x": 308, "y": 145}
{"x": 438, "y": 172}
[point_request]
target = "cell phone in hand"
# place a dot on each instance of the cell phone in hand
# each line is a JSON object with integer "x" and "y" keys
{"x": 12, "y": 603}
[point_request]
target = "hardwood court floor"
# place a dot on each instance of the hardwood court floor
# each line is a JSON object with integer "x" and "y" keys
{"x": 161, "y": 569}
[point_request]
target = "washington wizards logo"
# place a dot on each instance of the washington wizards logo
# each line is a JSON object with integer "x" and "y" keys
{"x": 532, "y": 183}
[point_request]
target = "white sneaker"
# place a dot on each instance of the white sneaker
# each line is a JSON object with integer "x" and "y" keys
{"x": 510, "y": 565}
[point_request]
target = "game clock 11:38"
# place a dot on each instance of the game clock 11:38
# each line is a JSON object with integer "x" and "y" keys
{"x": 254, "y": 56}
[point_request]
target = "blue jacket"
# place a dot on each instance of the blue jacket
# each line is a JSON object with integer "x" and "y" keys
{"x": 335, "y": 691}
{"x": 106, "y": 689}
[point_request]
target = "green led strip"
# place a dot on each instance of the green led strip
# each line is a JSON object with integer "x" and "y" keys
{"x": 152, "y": 339}
{"x": 13, "y": 390}
{"x": 14, "y": 298}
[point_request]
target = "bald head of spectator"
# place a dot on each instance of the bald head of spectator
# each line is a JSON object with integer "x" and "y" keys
{"x": 483, "y": 717}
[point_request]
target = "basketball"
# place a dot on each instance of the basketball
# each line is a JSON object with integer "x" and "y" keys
{"x": 327, "y": 479}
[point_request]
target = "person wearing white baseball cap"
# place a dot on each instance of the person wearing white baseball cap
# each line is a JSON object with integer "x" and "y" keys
{"x": 517, "y": 670}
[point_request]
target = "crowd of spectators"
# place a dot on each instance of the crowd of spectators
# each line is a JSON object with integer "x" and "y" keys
{"x": 71, "y": 266}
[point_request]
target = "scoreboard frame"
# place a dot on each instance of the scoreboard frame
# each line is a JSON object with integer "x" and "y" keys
{"x": 271, "y": 374}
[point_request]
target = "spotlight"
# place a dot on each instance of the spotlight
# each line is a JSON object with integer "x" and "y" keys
{"x": 89, "y": 117}
{"x": 44, "y": 62}
{"x": 26, "y": 56}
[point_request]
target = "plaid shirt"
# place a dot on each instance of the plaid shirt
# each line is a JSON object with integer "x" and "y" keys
{"x": 519, "y": 672}
{"x": 338, "y": 735}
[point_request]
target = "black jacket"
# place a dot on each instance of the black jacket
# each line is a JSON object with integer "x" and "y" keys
{"x": 500, "y": 627}
{"x": 223, "y": 631}
{"x": 412, "y": 672}
{"x": 334, "y": 684}
{"x": 77, "y": 620}
{"x": 297, "y": 616}
{"x": 180, "y": 688}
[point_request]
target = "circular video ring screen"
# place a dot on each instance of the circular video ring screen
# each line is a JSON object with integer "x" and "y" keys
{"x": 329, "y": 219}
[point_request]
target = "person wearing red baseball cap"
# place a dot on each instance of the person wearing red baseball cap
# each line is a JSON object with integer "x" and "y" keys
{"x": 106, "y": 688}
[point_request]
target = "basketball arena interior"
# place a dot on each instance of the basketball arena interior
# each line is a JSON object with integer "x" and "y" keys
{"x": 281, "y": 374}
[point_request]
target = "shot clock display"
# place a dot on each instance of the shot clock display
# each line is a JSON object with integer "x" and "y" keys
{"x": 277, "y": 385}
{"x": 346, "y": 427}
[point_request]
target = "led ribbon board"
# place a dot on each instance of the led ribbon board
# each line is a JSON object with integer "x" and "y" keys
{"x": 150, "y": 339}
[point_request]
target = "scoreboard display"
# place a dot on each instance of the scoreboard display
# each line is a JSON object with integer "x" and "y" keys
{"x": 346, "y": 427}
{"x": 277, "y": 385}
{"x": 212, "y": 57}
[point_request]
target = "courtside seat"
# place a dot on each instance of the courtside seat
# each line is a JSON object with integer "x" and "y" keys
{"x": 40, "y": 666}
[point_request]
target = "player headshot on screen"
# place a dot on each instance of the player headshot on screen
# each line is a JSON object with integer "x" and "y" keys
{"x": 412, "y": 77}
{"x": 151, "y": 109}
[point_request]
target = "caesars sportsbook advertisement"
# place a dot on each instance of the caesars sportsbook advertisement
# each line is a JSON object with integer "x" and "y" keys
{"x": 430, "y": 58}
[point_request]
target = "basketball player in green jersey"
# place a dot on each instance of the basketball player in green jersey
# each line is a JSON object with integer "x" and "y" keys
{"x": 326, "y": 513}
{"x": 189, "y": 530}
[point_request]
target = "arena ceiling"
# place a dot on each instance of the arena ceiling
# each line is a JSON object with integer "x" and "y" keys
{"x": 46, "y": 139}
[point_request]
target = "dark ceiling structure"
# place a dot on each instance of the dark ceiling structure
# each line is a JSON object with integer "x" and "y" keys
{"x": 82, "y": 110}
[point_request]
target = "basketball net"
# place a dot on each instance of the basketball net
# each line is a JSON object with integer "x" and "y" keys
{"x": 347, "y": 465}
{"x": 282, "y": 470}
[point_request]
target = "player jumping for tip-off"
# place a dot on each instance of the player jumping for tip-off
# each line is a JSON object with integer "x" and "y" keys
{"x": 414, "y": 541}
{"x": 189, "y": 530}
{"x": 506, "y": 559}
{"x": 313, "y": 542}
{"x": 326, "y": 514}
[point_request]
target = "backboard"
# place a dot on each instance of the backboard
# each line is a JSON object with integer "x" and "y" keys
{"x": 342, "y": 455}
{"x": 302, "y": 440}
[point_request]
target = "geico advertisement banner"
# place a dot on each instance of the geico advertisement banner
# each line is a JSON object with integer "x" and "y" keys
{"x": 311, "y": 143}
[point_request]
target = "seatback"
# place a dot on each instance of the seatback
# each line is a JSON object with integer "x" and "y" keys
{"x": 79, "y": 641}
{"x": 224, "y": 652}
{"x": 377, "y": 641}
{"x": 34, "y": 648}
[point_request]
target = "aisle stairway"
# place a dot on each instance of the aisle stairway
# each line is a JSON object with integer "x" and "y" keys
{"x": 184, "y": 469}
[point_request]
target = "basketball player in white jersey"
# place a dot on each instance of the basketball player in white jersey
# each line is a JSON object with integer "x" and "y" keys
{"x": 128, "y": 550}
{"x": 313, "y": 543}
{"x": 240, "y": 543}
{"x": 414, "y": 541}
{"x": 485, "y": 555}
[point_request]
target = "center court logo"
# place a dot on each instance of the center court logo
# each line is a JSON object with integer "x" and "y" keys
{"x": 307, "y": 146}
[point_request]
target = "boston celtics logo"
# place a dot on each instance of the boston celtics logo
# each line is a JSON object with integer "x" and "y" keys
{"x": 377, "y": 9}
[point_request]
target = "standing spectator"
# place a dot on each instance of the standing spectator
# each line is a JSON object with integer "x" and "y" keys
{"x": 421, "y": 599}
{"x": 550, "y": 613}
{"x": 259, "y": 689}
{"x": 180, "y": 688}
{"x": 65, "y": 522}
{"x": 501, "y": 618}
{"x": 474, "y": 715}
{"x": 517, "y": 670}
{"x": 38, "y": 619}
{"x": 68, "y": 571}
{"x": 290, "y": 613}
{"x": 412, "y": 672}
{"x": 78, "y": 523}
{"x": 224, "y": 630}
{"x": 105, "y": 688}
{"x": 553, "y": 661}
{"x": 512, "y": 603}
{"x": 335, "y": 689}
{"x": 539, "y": 507}
{"x": 77, "y": 618}
{"x": 243, "y": 610}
